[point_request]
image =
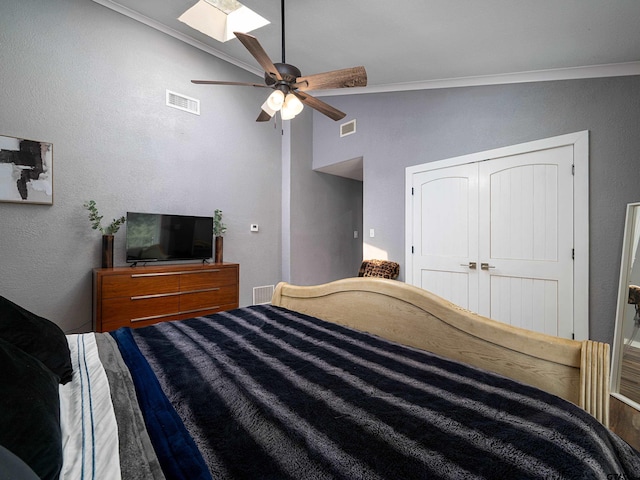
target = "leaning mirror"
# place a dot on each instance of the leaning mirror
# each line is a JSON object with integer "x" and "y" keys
{"x": 625, "y": 378}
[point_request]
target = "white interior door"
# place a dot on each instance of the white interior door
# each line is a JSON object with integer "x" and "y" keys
{"x": 526, "y": 240}
{"x": 446, "y": 241}
{"x": 511, "y": 214}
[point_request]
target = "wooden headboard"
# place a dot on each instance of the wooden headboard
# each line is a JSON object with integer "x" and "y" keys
{"x": 577, "y": 371}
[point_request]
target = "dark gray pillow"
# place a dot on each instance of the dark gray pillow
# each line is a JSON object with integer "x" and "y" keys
{"x": 36, "y": 336}
{"x": 13, "y": 467}
{"x": 30, "y": 406}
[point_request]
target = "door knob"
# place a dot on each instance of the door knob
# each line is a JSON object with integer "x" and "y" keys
{"x": 486, "y": 266}
{"x": 471, "y": 265}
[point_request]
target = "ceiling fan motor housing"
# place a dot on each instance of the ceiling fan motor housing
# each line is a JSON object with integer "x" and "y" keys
{"x": 289, "y": 74}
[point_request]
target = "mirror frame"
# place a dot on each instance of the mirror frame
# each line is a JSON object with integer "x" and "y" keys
{"x": 623, "y": 295}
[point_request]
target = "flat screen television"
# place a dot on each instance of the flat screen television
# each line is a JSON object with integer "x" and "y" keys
{"x": 154, "y": 237}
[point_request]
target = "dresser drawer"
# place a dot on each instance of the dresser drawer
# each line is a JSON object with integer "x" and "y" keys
{"x": 213, "y": 278}
{"x": 209, "y": 299}
{"x": 122, "y": 311}
{"x": 139, "y": 284}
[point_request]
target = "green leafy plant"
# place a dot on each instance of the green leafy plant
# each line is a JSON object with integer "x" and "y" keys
{"x": 218, "y": 227}
{"x": 96, "y": 220}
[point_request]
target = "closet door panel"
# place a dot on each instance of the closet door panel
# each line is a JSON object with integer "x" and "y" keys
{"x": 526, "y": 240}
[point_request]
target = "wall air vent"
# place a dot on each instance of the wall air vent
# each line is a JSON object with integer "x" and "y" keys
{"x": 348, "y": 128}
{"x": 182, "y": 102}
{"x": 262, "y": 295}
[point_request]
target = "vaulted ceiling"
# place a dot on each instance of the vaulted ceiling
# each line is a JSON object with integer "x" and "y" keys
{"x": 405, "y": 43}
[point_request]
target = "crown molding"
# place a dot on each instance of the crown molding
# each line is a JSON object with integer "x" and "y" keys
{"x": 573, "y": 73}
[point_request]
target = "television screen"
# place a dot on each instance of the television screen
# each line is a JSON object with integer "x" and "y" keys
{"x": 153, "y": 237}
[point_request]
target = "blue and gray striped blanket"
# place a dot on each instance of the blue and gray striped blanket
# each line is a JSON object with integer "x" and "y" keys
{"x": 265, "y": 393}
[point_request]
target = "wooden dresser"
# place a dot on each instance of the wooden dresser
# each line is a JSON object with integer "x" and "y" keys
{"x": 139, "y": 296}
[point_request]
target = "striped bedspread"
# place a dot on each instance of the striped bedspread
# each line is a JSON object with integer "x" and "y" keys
{"x": 262, "y": 392}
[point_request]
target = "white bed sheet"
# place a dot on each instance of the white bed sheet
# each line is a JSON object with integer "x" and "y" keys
{"x": 89, "y": 428}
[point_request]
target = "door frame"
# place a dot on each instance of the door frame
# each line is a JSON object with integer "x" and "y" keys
{"x": 580, "y": 143}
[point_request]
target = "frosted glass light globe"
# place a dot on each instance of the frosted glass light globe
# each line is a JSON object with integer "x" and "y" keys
{"x": 293, "y": 103}
{"x": 275, "y": 100}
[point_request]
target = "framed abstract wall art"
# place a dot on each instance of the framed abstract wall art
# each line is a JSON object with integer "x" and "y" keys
{"x": 26, "y": 174}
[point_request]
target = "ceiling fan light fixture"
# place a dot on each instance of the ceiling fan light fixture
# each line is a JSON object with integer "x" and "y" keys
{"x": 292, "y": 104}
{"x": 288, "y": 84}
{"x": 287, "y": 114}
{"x": 266, "y": 109}
{"x": 275, "y": 100}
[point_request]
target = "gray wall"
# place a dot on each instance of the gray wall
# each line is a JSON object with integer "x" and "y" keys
{"x": 397, "y": 130}
{"x": 92, "y": 82}
{"x": 325, "y": 210}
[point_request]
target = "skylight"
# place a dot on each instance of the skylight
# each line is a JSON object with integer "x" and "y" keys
{"x": 220, "y": 18}
{"x": 227, "y": 6}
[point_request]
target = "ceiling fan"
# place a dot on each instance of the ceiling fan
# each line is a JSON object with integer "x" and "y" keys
{"x": 290, "y": 86}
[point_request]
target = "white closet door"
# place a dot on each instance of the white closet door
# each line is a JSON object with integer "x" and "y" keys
{"x": 446, "y": 238}
{"x": 526, "y": 240}
{"x": 512, "y": 217}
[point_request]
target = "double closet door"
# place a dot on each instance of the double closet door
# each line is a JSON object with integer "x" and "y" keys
{"x": 497, "y": 237}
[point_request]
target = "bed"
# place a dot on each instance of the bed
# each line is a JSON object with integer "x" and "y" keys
{"x": 359, "y": 378}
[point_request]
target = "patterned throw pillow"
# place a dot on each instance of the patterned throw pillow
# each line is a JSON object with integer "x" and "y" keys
{"x": 634, "y": 294}
{"x": 379, "y": 268}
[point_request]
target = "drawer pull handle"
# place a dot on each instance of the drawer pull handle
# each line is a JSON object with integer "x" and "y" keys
{"x": 159, "y": 295}
{"x": 152, "y": 317}
{"x": 155, "y": 317}
{"x": 216, "y": 307}
{"x": 156, "y": 295}
{"x": 159, "y": 274}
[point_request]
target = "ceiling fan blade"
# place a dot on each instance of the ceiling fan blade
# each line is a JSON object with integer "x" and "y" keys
{"x": 319, "y": 105}
{"x": 347, "y": 77}
{"x": 251, "y": 43}
{"x": 263, "y": 117}
{"x": 216, "y": 82}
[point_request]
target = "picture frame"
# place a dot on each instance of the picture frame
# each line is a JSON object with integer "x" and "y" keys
{"x": 26, "y": 171}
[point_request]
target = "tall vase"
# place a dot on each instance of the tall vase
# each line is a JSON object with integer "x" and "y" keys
{"x": 107, "y": 251}
{"x": 218, "y": 253}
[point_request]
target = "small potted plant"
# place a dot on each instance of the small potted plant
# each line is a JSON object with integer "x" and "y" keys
{"x": 218, "y": 231}
{"x": 107, "y": 232}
